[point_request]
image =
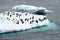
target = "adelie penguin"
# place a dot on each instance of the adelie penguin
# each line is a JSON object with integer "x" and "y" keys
{"x": 26, "y": 17}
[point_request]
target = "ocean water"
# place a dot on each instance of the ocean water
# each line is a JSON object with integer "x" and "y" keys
{"x": 53, "y": 5}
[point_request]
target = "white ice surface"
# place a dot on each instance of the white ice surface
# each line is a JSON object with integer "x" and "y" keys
{"x": 9, "y": 25}
{"x": 20, "y": 8}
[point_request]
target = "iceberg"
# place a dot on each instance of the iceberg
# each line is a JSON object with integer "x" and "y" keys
{"x": 25, "y": 18}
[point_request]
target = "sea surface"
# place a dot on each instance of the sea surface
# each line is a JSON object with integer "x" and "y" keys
{"x": 53, "y": 5}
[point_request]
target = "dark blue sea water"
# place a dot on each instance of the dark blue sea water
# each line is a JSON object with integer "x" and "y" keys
{"x": 53, "y": 5}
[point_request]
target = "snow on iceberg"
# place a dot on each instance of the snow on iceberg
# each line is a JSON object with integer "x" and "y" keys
{"x": 26, "y": 18}
{"x": 27, "y": 8}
